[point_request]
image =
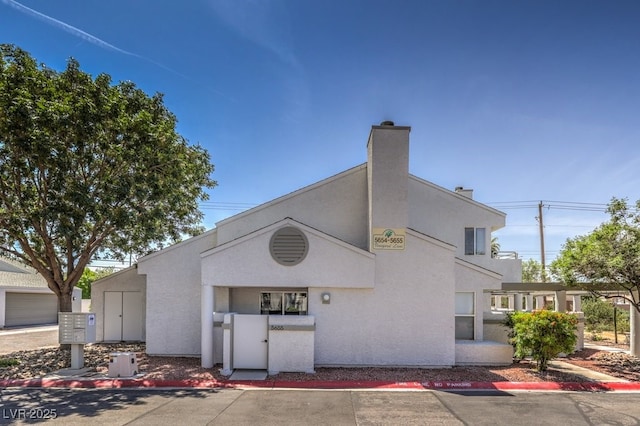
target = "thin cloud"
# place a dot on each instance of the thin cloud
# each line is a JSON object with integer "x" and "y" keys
{"x": 66, "y": 27}
{"x": 266, "y": 24}
{"x": 95, "y": 40}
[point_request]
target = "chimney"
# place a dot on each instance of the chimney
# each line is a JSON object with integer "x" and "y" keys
{"x": 388, "y": 177}
{"x": 464, "y": 192}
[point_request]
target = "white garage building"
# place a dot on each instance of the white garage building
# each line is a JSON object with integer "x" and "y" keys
{"x": 25, "y": 298}
{"x": 370, "y": 267}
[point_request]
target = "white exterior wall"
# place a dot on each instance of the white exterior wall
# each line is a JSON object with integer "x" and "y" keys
{"x": 125, "y": 280}
{"x": 287, "y": 332}
{"x": 406, "y": 320}
{"x": 329, "y": 263}
{"x": 510, "y": 269}
{"x": 173, "y": 296}
{"x": 336, "y": 206}
{"x": 471, "y": 278}
{"x": 444, "y": 214}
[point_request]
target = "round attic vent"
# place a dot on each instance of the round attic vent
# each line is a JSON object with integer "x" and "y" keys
{"x": 288, "y": 246}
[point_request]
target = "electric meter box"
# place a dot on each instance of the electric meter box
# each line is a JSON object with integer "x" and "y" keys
{"x": 123, "y": 364}
{"x": 76, "y": 328}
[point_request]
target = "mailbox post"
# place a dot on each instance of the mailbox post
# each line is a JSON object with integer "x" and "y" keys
{"x": 76, "y": 329}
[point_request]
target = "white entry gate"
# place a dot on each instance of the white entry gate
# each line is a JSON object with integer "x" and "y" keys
{"x": 250, "y": 342}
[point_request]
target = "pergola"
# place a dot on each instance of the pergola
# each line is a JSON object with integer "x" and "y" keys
{"x": 560, "y": 292}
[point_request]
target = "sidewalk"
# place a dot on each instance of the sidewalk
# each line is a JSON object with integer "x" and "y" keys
{"x": 26, "y": 330}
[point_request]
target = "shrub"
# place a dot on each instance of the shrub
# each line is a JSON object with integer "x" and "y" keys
{"x": 543, "y": 335}
{"x": 598, "y": 316}
{"x": 8, "y": 362}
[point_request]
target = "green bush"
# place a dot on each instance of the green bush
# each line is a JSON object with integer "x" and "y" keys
{"x": 598, "y": 316}
{"x": 8, "y": 362}
{"x": 543, "y": 335}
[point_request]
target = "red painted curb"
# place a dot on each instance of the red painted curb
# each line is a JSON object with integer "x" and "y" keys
{"x": 246, "y": 384}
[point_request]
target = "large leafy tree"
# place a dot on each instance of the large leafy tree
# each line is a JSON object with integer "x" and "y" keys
{"x": 607, "y": 259}
{"x": 89, "y": 167}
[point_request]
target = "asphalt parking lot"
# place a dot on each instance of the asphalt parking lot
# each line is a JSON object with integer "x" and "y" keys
{"x": 28, "y": 338}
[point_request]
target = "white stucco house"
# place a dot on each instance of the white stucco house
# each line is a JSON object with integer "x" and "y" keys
{"x": 370, "y": 267}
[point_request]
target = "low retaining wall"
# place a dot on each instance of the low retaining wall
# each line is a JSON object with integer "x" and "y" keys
{"x": 468, "y": 352}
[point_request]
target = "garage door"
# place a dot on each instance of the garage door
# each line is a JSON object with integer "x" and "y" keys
{"x": 30, "y": 309}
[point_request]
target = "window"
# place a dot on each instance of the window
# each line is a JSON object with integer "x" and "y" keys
{"x": 283, "y": 303}
{"x": 474, "y": 240}
{"x": 465, "y": 316}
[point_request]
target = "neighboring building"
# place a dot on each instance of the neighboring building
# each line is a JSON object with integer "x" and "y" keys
{"x": 25, "y": 298}
{"x": 370, "y": 267}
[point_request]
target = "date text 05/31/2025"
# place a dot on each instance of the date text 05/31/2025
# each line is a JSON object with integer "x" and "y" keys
{"x": 29, "y": 413}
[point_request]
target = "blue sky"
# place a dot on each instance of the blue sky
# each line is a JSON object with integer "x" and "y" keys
{"x": 522, "y": 101}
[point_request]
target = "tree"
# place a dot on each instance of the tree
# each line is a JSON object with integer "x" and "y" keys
{"x": 495, "y": 247}
{"x": 89, "y": 276}
{"x": 531, "y": 271}
{"x": 87, "y": 167}
{"x": 607, "y": 259}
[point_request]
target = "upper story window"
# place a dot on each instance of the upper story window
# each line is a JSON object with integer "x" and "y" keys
{"x": 475, "y": 240}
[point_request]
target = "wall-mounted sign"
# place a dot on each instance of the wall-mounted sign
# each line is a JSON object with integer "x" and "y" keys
{"x": 388, "y": 239}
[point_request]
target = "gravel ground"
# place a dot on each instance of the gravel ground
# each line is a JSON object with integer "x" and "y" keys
{"x": 42, "y": 362}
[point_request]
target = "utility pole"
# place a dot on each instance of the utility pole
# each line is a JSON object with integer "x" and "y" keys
{"x": 542, "y": 261}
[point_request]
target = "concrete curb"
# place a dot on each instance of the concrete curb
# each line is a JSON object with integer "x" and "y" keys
{"x": 382, "y": 385}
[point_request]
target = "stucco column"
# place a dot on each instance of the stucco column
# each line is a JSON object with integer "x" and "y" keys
{"x": 487, "y": 298}
{"x": 634, "y": 335}
{"x": 539, "y": 302}
{"x": 577, "y": 303}
{"x": 206, "y": 338}
{"x": 517, "y": 302}
{"x": 3, "y": 303}
{"x": 561, "y": 301}
{"x": 529, "y": 298}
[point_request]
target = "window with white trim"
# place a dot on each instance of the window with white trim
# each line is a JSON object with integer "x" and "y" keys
{"x": 465, "y": 316}
{"x": 475, "y": 240}
{"x": 283, "y": 303}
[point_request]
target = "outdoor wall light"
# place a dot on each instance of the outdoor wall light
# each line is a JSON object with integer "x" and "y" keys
{"x": 326, "y": 298}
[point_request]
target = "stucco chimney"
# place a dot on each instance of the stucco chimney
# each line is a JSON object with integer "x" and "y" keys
{"x": 388, "y": 176}
{"x": 464, "y": 192}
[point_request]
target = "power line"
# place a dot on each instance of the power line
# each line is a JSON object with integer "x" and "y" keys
{"x": 226, "y": 205}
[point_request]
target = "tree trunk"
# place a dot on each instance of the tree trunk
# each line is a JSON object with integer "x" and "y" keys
{"x": 65, "y": 301}
{"x": 65, "y": 304}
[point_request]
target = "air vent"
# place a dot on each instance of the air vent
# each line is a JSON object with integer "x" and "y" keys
{"x": 288, "y": 246}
